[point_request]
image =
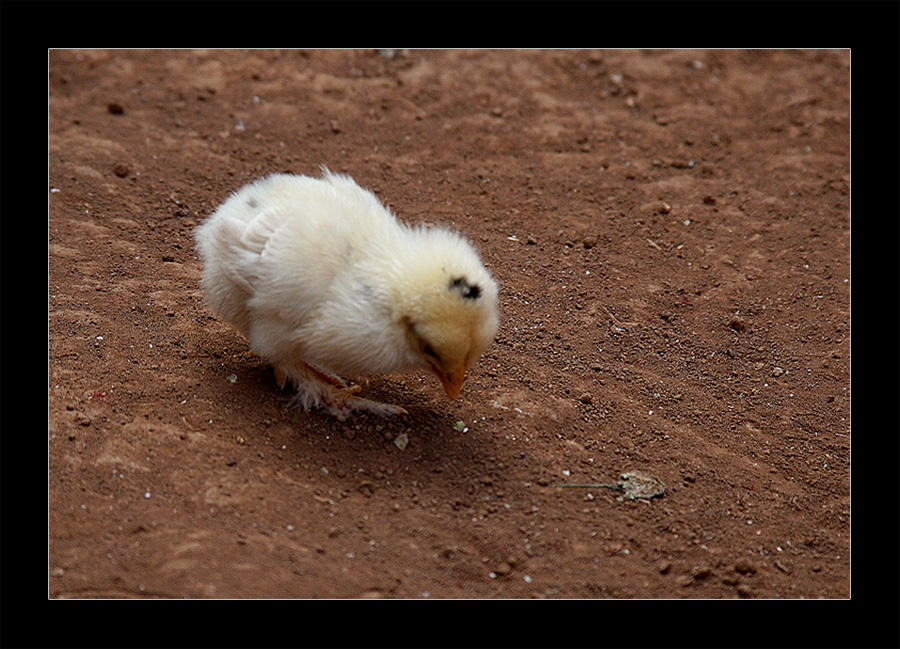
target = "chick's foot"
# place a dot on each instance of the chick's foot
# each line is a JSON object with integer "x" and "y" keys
{"x": 317, "y": 388}
{"x": 341, "y": 404}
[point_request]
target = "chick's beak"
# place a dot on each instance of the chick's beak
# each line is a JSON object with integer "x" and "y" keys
{"x": 451, "y": 381}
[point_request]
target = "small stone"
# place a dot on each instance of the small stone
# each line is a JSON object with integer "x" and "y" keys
{"x": 586, "y": 398}
{"x": 392, "y": 54}
{"x": 121, "y": 170}
{"x": 503, "y": 569}
{"x": 777, "y": 371}
{"x": 744, "y": 567}
{"x": 702, "y": 572}
{"x": 783, "y": 568}
{"x": 737, "y": 323}
{"x": 663, "y": 567}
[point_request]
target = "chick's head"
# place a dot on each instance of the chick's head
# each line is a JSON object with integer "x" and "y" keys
{"x": 449, "y": 311}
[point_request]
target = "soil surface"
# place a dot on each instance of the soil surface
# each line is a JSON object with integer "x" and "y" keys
{"x": 671, "y": 233}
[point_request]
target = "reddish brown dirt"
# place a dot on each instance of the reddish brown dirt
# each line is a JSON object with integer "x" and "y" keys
{"x": 671, "y": 232}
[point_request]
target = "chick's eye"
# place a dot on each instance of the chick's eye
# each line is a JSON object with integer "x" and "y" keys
{"x": 429, "y": 351}
{"x": 468, "y": 291}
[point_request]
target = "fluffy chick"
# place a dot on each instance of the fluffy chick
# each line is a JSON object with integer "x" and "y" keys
{"x": 323, "y": 281}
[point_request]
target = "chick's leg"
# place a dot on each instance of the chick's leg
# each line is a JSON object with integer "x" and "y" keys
{"x": 337, "y": 398}
{"x": 331, "y": 379}
{"x": 341, "y": 404}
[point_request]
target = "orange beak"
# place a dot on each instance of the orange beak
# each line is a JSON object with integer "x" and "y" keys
{"x": 453, "y": 382}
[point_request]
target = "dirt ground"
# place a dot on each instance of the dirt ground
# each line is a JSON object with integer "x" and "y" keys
{"x": 671, "y": 233}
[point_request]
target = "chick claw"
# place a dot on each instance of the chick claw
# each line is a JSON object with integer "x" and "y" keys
{"x": 342, "y": 403}
{"x": 337, "y": 397}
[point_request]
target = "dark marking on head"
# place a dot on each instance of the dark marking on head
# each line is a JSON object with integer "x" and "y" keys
{"x": 252, "y": 202}
{"x": 468, "y": 291}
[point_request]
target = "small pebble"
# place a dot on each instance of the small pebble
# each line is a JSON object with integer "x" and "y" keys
{"x": 503, "y": 569}
{"x": 684, "y": 580}
{"x": 702, "y": 572}
{"x": 744, "y": 567}
{"x": 737, "y": 323}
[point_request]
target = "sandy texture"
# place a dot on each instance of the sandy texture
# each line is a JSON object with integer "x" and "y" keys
{"x": 671, "y": 233}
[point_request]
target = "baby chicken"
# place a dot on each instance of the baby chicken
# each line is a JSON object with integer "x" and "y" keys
{"x": 323, "y": 281}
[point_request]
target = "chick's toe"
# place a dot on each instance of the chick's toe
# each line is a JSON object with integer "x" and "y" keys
{"x": 319, "y": 389}
{"x": 341, "y": 404}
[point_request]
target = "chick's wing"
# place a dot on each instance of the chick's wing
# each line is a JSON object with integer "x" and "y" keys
{"x": 242, "y": 246}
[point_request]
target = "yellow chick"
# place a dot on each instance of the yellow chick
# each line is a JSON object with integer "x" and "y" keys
{"x": 323, "y": 281}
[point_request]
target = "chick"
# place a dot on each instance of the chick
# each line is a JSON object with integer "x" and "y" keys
{"x": 323, "y": 281}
